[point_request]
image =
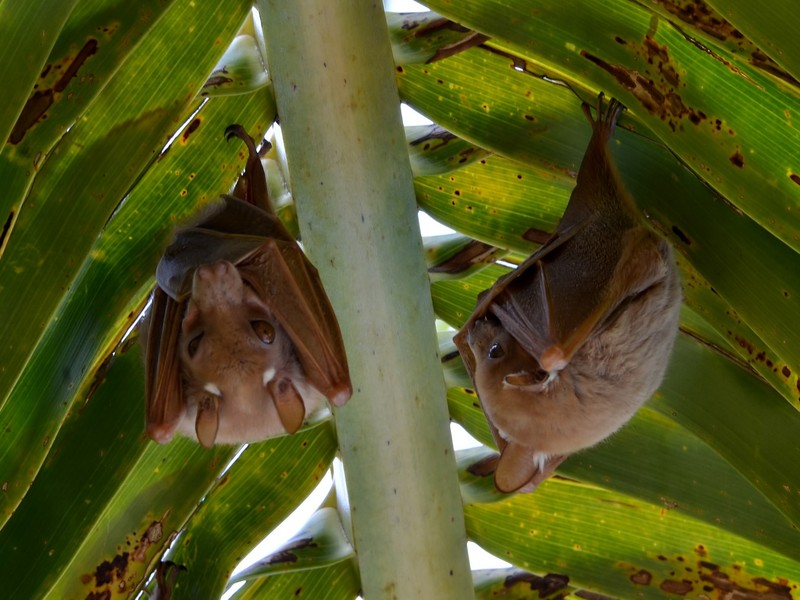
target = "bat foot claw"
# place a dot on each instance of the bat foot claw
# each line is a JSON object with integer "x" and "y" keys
{"x": 235, "y": 130}
{"x": 605, "y": 118}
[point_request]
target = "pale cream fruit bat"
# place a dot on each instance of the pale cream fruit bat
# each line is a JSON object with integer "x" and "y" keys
{"x": 564, "y": 349}
{"x": 241, "y": 341}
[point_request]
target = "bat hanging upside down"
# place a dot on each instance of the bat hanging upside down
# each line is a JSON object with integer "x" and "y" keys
{"x": 565, "y": 349}
{"x": 241, "y": 341}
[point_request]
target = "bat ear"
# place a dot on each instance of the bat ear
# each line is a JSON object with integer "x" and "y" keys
{"x": 288, "y": 403}
{"x": 207, "y": 423}
{"x": 515, "y": 469}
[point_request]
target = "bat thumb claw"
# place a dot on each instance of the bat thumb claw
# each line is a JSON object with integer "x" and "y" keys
{"x": 553, "y": 359}
{"x": 159, "y": 433}
{"x": 340, "y": 394}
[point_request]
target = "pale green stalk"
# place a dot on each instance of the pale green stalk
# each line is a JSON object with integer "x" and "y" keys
{"x": 332, "y": 68}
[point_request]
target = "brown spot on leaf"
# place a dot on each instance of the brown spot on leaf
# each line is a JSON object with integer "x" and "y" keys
{"x": 537, "y": 236}
{"x": 702, "y": 16}
{"x": 436, "y": 134}
{"x": 619, "y": 73}
{"x": 36, "y": 107}
{"x": 656, "y": 90}
{"x": 794, "y": 177}
{"x": 473, "y": 253}
{"x": 6, "y": 229}
{"x": 100, "y": 375}
{"x": 744, "y": 344}
{"x": 701, "y": 550}
{"x": 89, "y": 48}
{"x": 728, "y": 588}
{"x": 681, "y": 588}
{"x": 737, "y": 159}
{"x": 546, "y": 586}
{"x": 107, "y": 571}
{"x": 681, "y": 235}
{"x": 300, "y": 545}
{"x": 470, "y": 40}
{"x": 642, "y": 577}
{"x": 284, "y": 556}
{"x": 150, "y": 536}
{"x": 786, "y": 371}
{"x": 761, "y": 61}
{"x": 190, "y": 129}
{"x": 778, "y": 589}
{"x": 216, "y": 81}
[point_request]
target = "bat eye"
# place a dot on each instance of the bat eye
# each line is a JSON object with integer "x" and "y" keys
{"x": 264, "y": 331}
{"x": 194, "y": 343}
{"x": 496, "y": 351}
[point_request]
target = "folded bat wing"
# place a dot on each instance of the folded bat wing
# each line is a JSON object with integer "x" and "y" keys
{"x": 163, "y": 388}
{"x": 599, "y": 256}
{"x": 281, "y": 272}
{"x": 243, "y": 230}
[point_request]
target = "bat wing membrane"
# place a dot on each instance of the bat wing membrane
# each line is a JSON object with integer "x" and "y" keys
{"x": 164, "y": 391}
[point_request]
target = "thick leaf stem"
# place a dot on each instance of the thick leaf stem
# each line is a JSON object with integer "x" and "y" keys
{"x": 332, "y": 70}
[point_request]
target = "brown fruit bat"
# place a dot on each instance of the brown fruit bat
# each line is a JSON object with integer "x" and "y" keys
{"x": 565, "y": 349}
{"x": 241, "y": 340}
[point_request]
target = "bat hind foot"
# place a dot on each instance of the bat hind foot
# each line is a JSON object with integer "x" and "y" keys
{"x": 607, "y": 119}
{"x": 236, "y": 130}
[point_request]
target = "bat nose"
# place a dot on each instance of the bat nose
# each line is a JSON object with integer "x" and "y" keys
{"x": 213, "y": 271}
{"x": 215, "y": 285}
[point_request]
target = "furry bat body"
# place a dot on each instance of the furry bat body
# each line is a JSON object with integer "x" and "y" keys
{"x": 567, "y": 347}
{"x": 242, "y": 343}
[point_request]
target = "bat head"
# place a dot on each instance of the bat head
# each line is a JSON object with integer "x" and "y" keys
{"x": 501, "y": 362}
{"x": 527, "y": 405}
{"x": 239, "y": 365}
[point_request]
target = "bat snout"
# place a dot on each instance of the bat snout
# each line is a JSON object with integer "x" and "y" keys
{"x": 219, "y": 271}
{"x": 217, "y": 284}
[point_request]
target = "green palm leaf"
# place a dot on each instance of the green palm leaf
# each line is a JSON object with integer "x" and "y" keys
{"x": 114, "y": 123}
